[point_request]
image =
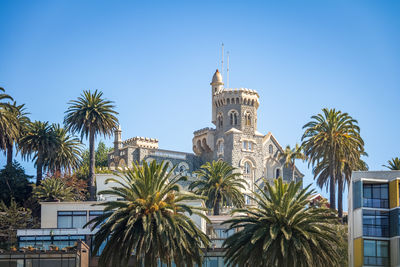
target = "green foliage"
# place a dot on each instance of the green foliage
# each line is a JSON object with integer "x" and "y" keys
{"x": 220, "y": 183}
{"x": 101, "y": 163}
{"x": 332, "y": 137}
{"x": 13, "y": 217}
{"x": 91, "y": 115}
{"x": 14, "y": 184}
{"x": 150, "y": 221}
{"x": 53, "y": 190}
{"x": 393, "y": 164}
{"x": 284, "y": 230}
{"x": 8, "y": 123}
{"x": 291, "y": 154}
{"x": 67, "y": 151}
{"x": 39, "y": 141}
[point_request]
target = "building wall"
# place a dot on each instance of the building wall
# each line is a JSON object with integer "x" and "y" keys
{"x": 360, "y": 203}
{"x": 49, "y": 210}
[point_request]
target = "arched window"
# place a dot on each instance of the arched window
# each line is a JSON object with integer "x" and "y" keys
{"x": 220, "y": 120}
{"x": 277, "y": 173}
{"x": 220, "y": 147}
{"x": 247, "y": 168}
{"x": 270, "y": 149}
{"x": 233, "y": 118}
{"x": 248, "y": 119}
{"x": 228, "y": 101}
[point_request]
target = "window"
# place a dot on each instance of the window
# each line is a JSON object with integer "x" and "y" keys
{"x": 244, "y": 144}
{"x": 248, "y": 119}
{"x": 250, "y": 146}
{"x": 220, "y": 121}
{"x": 71, "y": 219}
{"x": 376, "y": 195}
{"x": 247, "y": 200}
{"x": 376, "y": 252}
{"x": 375, "y": 223}
{"x": 44, "y": 242}
{"x": 93, "y": 214}
{"x": 247, "y": 168}
{"x": 270, "y": 149}
{"x": 277, "y": 173}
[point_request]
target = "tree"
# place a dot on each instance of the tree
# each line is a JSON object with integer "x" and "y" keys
{"x": 150, "y": 221}
{"x": 67, "y": 152}
{"x": 14, "y": 184}
{"x": 40, "y": 141}
{"x": 220, "y": 183}
{"x": 393, "y": 164}
{"x": 20, "y": 122}
{"x": 290, "y": 156}
{"x": 8, "y": 123}
{"x": 53, "y": 190}
{"x": 91, "y": 115}
{"x": 326, "y": 137}
{"x": 13, "y": 217}
{"x": 284, "y": 230}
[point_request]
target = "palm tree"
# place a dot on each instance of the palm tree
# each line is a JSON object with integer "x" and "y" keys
{"x": 8, "y": 122}
{"x": 40, "y": 141}
{"x": 327, "y": 136}
{"x": 290, "y": 156}
{"x": 394, "y": 164}
{"x": 150, "y": 221}
{"x": 67, "y": 152}
{"x": 284, "y": 230}
{"x": 21, "y": 121}
{"x": 90, "y": 115}
{"x": 220, "y": 183}
{"x": 53, "y": 190}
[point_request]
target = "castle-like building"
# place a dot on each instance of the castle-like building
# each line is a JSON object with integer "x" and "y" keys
{"x": 234, "y": 139}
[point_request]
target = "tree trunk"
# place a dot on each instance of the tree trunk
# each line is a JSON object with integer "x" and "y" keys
{"x": 293, "y": 168}
{"x": 332, "y": 185}
{"x": 39, "y": 168}
{"x": 340, "y": 195}
{"x": 9, "y": 153}
{"x": 92, "y": 188}
{"x": 216, "y": 206}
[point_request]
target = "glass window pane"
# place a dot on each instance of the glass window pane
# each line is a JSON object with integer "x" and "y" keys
{"x": 382, "y": 249}
{"x": 384, "y": 192}
{"x": 83, "y": 213}
{"x": 367, "y": 191}
{"x": 79, "y": 221}
{"x": 65, "y": 213}
{"x": 369, "y": 248}
{"x": 376, "y": 191}
{"x": 64, "y": 222}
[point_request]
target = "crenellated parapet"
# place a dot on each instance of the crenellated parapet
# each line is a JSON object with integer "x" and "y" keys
{"x": 141, "y": 142}
{"x": 203, "y": 141}
{"x": 242, "y": 96}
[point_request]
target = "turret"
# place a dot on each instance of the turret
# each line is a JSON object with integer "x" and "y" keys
{"x": 217, "y": 85}
{"x": 117, "y": 140}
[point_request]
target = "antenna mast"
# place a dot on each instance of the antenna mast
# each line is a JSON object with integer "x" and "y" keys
{"x": 222, "y": 58}
{"x": 227, "y": 70}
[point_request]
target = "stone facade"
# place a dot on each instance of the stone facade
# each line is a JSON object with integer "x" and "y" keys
{"x": 234, "y": 139}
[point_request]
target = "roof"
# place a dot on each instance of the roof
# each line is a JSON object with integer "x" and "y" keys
{"x": 217, "y": 77}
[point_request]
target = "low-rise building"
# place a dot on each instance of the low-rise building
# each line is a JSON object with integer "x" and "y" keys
{"x": 374, "y": 213}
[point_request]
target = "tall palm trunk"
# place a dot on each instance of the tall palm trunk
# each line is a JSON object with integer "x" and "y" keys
{"x": 39, "y": 168}
{"x": 293, "y": 168}
{"x": 340, "y": 194}
{"x": 92, "y": 163}
{"x": 9, "y": 153}
{"x": 216, "y": 205}
{"x": 332, "y": 184}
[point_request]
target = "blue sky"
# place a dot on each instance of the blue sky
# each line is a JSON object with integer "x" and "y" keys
{"x": 155, "y": 59}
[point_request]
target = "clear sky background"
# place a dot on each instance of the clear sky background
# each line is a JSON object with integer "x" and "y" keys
{"x": 155, "y": 59}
